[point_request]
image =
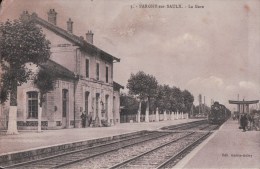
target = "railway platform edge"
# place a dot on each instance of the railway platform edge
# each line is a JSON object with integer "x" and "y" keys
{"x": 229, "y": 147}
{"x": 31, "y": 142}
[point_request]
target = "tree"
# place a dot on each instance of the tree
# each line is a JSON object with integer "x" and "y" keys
{"x": 44, "y": 81}
{"x": 3, "y": 91}
{"x": 176, "y": 99}
{"x": 188, "y": 100}
{"x": 159, "y": 97}
{"x": 21, "y": 42}
{"x": 129, "y": 103}
{"x": 197, "y": 111}
{"x": 163, "y": 101}
{"x": 144, "y": 86}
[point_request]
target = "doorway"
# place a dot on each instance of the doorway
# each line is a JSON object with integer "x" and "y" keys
{"x": 65, "y": 107}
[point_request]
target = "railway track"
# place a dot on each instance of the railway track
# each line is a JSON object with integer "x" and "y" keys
{"x": 85, "y": 153}
{"x": 164, "y": 155}
{"x": 108, "y": 160}
{"x": 155, "y": 149}
{"x": 172, "y": 161}
{"x": 202, "y": 125}
{"x": 192, "y": 125}
{"x": 211, "y": 127}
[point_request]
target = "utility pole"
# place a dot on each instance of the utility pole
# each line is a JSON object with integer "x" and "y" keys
{"x": 192, "y": 110}
{"x": 204, "y": 106}
{"x": 200, "y": 100}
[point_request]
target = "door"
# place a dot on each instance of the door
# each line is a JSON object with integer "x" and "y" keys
{"x": 65, "y": 107}
{"x": 86, "y": 102}
{"x": 97, "y": 105}
{"x": 114, "y": 109}
{"x": 106, "y": 107}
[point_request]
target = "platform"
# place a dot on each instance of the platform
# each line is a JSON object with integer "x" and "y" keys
{"x": 30, "y": 140}
{"x": 229, "y": 147}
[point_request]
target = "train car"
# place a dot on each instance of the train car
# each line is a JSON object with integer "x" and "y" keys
{"x": 218, "y": 114}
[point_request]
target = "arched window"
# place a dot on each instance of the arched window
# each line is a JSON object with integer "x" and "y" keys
{"x": 32, "y": 100}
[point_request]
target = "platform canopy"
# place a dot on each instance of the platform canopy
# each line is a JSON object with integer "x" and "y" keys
{"x": 243, "y": 105}
{"x": 243, "y": 102}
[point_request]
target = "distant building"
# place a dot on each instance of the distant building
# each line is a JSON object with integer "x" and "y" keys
{"x": 85, "y": 81}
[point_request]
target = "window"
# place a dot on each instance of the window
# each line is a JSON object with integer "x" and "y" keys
{"x": 97, "y": 71}
{"x": 32, "y": 104}
{"x": 86, "y": 102}
{"x": 106, "y": 74}
{"x": 87, "y": 68}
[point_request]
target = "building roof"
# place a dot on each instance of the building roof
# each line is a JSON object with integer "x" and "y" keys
{"x": 63, "y": 72}
{"x": 58, "y": 69}
{"x": 117, "y": 86}
{"x": 74, "y": 39}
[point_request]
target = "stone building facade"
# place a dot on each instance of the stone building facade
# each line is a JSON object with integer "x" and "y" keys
{"x": 85, "y": 81}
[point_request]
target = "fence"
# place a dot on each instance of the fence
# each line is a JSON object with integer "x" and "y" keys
{"x": 3, "y": 118}
{"x": 127, "y": 118}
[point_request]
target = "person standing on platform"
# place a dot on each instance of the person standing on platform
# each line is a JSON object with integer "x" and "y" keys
{"x": 250, "y": 120}
{"x": 243, "y": 122}
{"x": 89, "y": 119}
{"x": 255, "y": 121}
{"x": 86, "y": 119}
{"x": 83, "y": 118}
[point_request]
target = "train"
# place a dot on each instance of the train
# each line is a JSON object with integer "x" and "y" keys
{"x": 218, "y": 114}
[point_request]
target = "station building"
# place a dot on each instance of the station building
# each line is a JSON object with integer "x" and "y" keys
{"x": 85, "y": 81}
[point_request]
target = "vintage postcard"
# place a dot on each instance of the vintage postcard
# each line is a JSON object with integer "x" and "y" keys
{"x": 130, "y": 84}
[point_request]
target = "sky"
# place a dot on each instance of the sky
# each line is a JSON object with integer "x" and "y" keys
{"x": 213, "y": 51}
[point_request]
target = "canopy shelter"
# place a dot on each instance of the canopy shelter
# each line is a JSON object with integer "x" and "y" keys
{"x": 243, "y": 106}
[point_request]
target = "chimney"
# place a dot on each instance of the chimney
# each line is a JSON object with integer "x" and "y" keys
{"x": 70, "y": 26}
{"x": 25, "y": 16}
{"x": 52, "y": 16}
{"x": 89, "y": 37}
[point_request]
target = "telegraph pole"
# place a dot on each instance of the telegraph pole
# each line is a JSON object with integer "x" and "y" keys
{"x": 204, "y": 106}
{"x": 200, "y": 100}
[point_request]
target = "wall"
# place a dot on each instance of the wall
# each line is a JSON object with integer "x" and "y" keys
{"x": 62, "y": 51}
{"x": 93, "y": 59}
{"x": 93, "y": 87}
{"x": 116, "y": 107}
{"x": 51, "y": 109}
{"x": 71, "y": 57}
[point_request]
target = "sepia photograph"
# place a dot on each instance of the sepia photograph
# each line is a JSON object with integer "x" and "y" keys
{"x": 144, "y": 84}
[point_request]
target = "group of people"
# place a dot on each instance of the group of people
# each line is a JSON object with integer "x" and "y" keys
{"x": 250, "y": 122}
{"x": 86, "y": 119}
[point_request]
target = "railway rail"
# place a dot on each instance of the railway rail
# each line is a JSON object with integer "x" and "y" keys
{"x": 164, "y": 155}
{"x": 211, "y": 127}
{"x": 118, "y": 158}
{"x": 108, "y": 160}
{"x": 193, "y": 125}
{"x": 67, "y": 158}
{"x": 154, "y": 149}
{"x": 170, "y": 162}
